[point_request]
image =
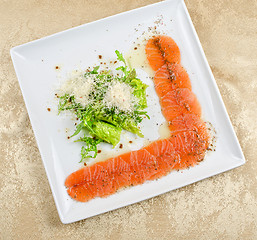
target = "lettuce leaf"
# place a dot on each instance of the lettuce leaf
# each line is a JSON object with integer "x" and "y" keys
{"x": 107, "y": 132}
{"x": 131, "y": 126}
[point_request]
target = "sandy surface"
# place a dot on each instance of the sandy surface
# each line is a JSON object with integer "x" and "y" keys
{"x": 221, "y": 207}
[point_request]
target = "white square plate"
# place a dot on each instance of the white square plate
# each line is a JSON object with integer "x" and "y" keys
{"x": 34, "y": 65}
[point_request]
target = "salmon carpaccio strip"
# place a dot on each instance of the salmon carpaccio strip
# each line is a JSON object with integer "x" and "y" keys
{"x": 161, "y": 50}
{"x": 185, "y": 147}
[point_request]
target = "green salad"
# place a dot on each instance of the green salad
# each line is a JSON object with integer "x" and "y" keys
{"x": 105, "y": 104}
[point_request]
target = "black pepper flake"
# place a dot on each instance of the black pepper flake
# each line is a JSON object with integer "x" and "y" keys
{"x": 100, "y": 56}
{"x": 135, "y": 48}
{"x": 130, "y": 141}
{"x": 68, "y": 137}
{"x": 121, "y": 145}
{"x": 85, "y": 164}
{"x": 99, "y": 151}
{"x": 48, "y": 109}
{"x": 57, "y": 67}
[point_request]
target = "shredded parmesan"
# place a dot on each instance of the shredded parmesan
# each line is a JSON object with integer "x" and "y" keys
{"x": 80, "y": 87}
{"x": 119, "y": 95}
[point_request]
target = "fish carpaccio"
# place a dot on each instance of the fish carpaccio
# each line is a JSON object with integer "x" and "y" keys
{"x": 185, "y": 147}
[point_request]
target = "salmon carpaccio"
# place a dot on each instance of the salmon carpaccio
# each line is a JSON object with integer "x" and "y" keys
{"x": 186, "y": 146}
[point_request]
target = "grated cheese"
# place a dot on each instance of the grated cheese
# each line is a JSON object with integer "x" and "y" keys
{"x": 80, "y": 87}
{"x": 119, "y": 95}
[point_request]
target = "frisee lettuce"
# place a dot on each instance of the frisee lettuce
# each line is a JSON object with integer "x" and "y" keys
{"x": 100, "y": 123}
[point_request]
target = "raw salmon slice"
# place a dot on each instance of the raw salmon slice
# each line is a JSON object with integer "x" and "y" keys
{"x": 86, "y": 174}
{"x": 190, "y": 122}
{"x": 90, "y": 190}
{"x": 160, "y": 50}
{"x": 190, "y": 138}
{"x": 165, "y": 156}
{"x": 105, "y": 178}
{"x": 169, "y": 77}
{"x": 178, "y": 102}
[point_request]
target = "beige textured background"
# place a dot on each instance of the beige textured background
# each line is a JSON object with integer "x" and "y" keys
{"x": 222, "y": 207}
